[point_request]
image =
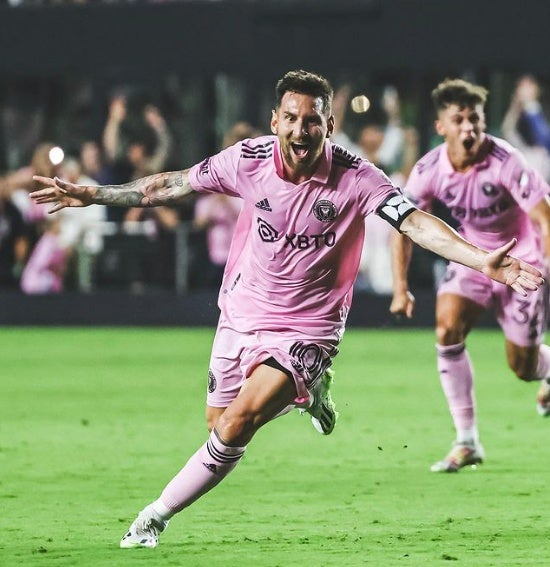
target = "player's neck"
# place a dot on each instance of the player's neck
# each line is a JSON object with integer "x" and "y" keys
{"x": 298, "y": 174}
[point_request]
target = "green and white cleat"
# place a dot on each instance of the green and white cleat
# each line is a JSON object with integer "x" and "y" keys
{"x": 145, "y": 530}
{"x": 461, "y": 455}
{"x": 323, "y": 410}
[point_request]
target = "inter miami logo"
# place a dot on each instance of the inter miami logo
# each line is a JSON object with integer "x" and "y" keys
{"x": 266, "y": 231}
{"x": 211, "y": 381}
{"x": 325, "y": 211}
{"x": 489, "y": 189}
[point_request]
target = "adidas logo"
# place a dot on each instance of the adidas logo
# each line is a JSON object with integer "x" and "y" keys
{"x": 211, "y": 467}
{"x": 264, "y": 205}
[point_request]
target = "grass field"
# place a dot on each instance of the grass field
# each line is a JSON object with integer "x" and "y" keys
{"x": 94, "y": 422}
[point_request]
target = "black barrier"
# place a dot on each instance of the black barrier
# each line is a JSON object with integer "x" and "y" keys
{"x": 269, "y": 36}
{"x": 196, "y": 309}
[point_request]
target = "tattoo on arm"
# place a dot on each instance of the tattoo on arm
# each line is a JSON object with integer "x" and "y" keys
{"x": 159, "y": 189}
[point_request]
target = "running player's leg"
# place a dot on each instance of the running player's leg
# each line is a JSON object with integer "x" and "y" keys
{"x": 263, "y": 395}
{"x": 455, "y": 317}
{"x": 523, "y": 320}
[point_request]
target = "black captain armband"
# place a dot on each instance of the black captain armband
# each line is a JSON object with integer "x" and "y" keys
{"x": 395, "y": 209}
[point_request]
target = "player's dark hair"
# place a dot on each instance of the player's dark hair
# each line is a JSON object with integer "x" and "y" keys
{"x": 305, "y": 82}
{"x": 460, "y": 92}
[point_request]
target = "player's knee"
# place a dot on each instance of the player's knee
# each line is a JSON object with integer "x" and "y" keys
{"x": 525, "y": 374}
{"x": 448, "y": 335}
{"x": 211, "y": 423}
{"x": 524, "y": 369}
{"x": 236, "y": 429}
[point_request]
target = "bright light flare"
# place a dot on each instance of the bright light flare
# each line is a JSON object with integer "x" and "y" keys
{"x": 56, "y": 155}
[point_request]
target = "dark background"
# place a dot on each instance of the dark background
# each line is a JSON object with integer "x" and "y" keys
{"x": 262, "y": 38}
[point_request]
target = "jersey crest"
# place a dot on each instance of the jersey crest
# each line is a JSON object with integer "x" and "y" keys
{"x": 325, "y": 211}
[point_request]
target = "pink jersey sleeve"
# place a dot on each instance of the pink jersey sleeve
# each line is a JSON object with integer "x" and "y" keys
{"x": 526, "y": 185}
{"x": 218, "y": 173}
{"x": 376, "y": 193}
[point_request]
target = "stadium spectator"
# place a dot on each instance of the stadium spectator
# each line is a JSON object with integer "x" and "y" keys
{"x": 134, "y": 155}
{"x": 288, "y": 283}
{"x": 92, "y": 163}
{"x": 129, "y": 148}
{"x": 14, "y": 244}
{"x": 526, "y": 127}
{"x": 81, "y": 235}
{"x": 488, "y": 188}
{"x": 17, "y": 185}
{"x": 45, "y": 271}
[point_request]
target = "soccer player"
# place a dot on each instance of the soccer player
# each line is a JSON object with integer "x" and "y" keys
{"x": 288, "y": 281}
{"x": 490, "y": 190}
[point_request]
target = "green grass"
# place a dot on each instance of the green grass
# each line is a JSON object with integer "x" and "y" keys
{"x": 94, "y": 422}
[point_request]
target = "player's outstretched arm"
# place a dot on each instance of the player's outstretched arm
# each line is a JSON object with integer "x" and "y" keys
{"x": 435, "y": 235}
{"x": 167, "y": 188}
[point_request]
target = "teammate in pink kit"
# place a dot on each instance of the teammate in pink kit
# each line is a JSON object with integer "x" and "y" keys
{"x": 494, "y": 195}
{"x": 288, "y": 281}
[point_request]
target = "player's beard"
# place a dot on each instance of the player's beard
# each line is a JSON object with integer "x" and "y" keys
{"x": 293, "y": 161}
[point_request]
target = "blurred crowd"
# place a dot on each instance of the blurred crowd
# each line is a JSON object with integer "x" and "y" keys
{"x": 186, "y": 247}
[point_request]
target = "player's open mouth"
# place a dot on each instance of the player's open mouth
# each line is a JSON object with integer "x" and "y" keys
{"x": 468, "y": 143}
{"x": 300, "y": 149}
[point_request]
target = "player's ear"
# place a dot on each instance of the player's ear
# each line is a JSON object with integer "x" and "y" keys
{"x": 439, "y": 128}
{"x": 273, "y": 123}
{"x": 330, "y": 126}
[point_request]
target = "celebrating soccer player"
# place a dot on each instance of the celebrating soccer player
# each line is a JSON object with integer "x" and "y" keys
{"x": 494, "y": 196}
{"x": 288, "y": 282}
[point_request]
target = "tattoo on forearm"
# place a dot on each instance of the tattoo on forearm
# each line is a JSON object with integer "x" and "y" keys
{"x": 158, "y": 189}
{"x": 113, "y": 195}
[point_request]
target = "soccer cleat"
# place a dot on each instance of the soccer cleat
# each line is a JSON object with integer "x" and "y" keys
{"x": 323, "y": 409}
{"x": 543, "y": 399}
{"x": 145, "y": 530}
{"x": 461, "y": 455}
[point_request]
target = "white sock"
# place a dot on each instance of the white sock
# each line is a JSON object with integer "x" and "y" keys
{"x": 161, "y": 510}
{"x": 469, "y": 436}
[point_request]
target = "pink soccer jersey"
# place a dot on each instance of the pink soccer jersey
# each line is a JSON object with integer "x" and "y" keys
{"x": 296, "y": 249}
{"x": 491, "y": 201}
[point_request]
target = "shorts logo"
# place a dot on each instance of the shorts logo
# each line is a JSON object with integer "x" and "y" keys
{"x": 309, "y": 357}
{"x": 266, "y": 231}
{"x": 325, "y": 211}
{"x": 489, "y": 189}
{"x": 211, "y": 382}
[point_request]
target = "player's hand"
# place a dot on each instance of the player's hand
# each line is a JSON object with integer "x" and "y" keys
{"x": 402, "y": 304}
{"x": 519, "y": 275}
{"x": 62, "y": 193}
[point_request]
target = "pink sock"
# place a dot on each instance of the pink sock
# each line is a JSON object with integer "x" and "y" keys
{"x": 457, "y": 380}
{"x": 543, "y": 365}
{"x": 202, "y": 472}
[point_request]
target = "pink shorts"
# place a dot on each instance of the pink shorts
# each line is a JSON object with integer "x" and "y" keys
{"x": 522, "y": 319}
{"x": 235, "y": 355}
